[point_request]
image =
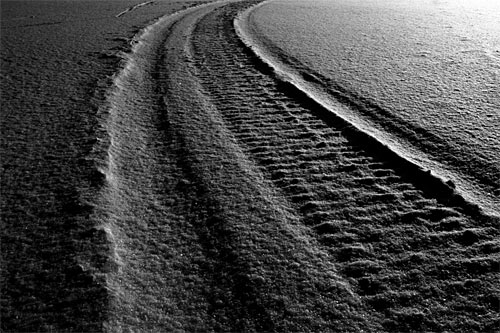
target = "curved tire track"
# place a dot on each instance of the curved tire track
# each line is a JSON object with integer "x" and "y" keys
{"x": 201, "y": 240}
{"x": 418, "y": 261}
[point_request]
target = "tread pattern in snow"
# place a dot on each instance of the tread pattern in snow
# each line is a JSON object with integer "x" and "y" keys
{"x": 407, "y": 254}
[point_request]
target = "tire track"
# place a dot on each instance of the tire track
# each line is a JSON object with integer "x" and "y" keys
{"x": 419, "y": 259}
{"x": 132, "y": 8}
{"x": 201, "y": 242}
